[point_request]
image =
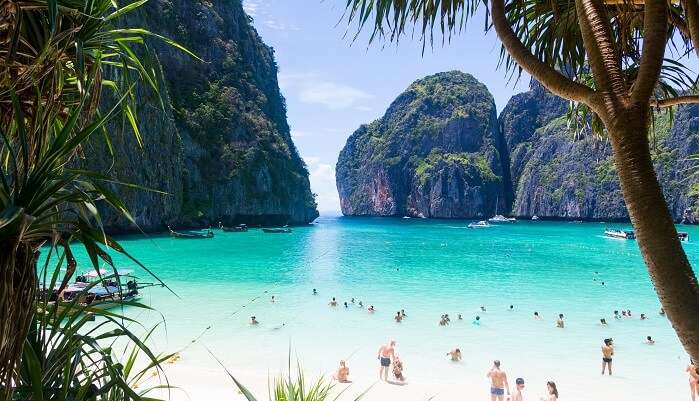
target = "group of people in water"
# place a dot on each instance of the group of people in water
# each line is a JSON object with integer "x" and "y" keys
{"x": 390, "y": 362}
{"x": 499, "y": 384}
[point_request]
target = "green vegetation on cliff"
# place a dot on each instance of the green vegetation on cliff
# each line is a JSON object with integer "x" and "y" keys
{"x": 434, "y": 153}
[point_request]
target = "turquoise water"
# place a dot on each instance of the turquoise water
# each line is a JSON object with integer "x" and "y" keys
{"x": 427, "y": 268}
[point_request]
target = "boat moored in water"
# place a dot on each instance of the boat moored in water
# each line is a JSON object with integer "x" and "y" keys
{"x": 535, "y": 217}
{"x": 623, "y": 234}
{"x": 282, "y": 230}
{"x": 99, "y": 289}
{"x": 240, "y": 228}
{"x": 501, "y": 219}
{"x": 191, "y": 235}
{"x": 479, "y": 224}
{"x": 630, "y": 234}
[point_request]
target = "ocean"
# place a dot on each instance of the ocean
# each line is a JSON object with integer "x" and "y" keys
{"x": 428, "y": 268}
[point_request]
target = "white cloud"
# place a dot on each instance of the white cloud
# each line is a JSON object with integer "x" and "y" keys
{"x": 251, "y": 7}
{"x": 322, "y": 176}
{"x": 313, "y": 89}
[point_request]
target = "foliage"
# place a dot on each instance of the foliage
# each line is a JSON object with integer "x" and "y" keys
{"x": 230, "y": 108}
{"x": 288, "y": 388}
{"x": 549, "y": 30}
{"x": 68, "y": 357}
{"x": 52, "y": 77}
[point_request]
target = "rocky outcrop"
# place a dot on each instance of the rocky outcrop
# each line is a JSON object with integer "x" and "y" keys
{"x": 556, "y": 174}
{"x": 433, "y": 154}
{"x": 220, "y": 145}
{"x": 438, "y": 153}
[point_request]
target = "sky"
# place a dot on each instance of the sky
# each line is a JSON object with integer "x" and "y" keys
{"x": 333, "y": 84}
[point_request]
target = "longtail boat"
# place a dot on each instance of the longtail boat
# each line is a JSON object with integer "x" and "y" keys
{"x": 237, "y": 229}
{"x": 191, "y": 235}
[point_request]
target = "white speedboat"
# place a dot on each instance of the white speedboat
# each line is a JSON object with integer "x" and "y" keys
{"x": 535, "y": 217}
{"x": 501, "y": 219}
{"x": 623, "y": 234}
{"x": 480, "y": 224}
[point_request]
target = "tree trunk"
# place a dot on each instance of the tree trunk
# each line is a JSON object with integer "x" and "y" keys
{"x": 669, "y": 269}
{"x": 17, "y": 291}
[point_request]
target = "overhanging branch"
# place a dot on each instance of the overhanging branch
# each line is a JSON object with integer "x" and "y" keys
{"x": 675, "y": 101}
{"x": 553, "y": 80}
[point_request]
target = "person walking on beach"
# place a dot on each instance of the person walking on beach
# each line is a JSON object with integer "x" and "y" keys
{"x": 607, "y": 353}
{"x": 386, "y": 353}
{"x": 693, "y": 379}
{"x": 519, "y": 386}
{"x": 498, "y": 382}
{"x": 551, "y": 392}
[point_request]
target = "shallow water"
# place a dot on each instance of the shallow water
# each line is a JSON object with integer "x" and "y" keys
{"x": 427, "y": 268}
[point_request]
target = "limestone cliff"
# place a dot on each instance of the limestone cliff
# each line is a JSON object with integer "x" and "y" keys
{"x": 434, "y": 153}
{"x": 220, "y": 147}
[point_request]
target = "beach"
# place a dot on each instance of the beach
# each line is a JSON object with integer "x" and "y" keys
{"x": 427, "y": 268}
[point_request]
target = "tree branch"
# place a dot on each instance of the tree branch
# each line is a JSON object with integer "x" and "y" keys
{"x": 692, "y": 10}
{"x": 601, "y": 52}
{"x": 674, "y": 101}
{"x": 553, "y": 80}
{"x": 654, "y": 39}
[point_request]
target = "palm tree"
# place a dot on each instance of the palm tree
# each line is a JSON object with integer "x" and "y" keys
{"x": 614, "y": 56}
{"x": 58, "y": 57}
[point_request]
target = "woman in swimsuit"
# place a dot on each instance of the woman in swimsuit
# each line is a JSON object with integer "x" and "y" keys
{"x": 551, "y": 392}
{"x": 693, "y": 380}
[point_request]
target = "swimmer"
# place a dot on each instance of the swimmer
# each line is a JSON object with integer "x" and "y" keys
{"x": 371, "y": 309}
{"x": 650, "y": 341}
{"x": 662, "y": 312}
{"x": 352, "y": 299}
{"x": 477, "y": 321}
{"x": 482, "y": 308}
{"x": 455, "y": 355}
{"x": 253, "y": 320}
{"x": 460, "y": 317}
{"x": 361, "y": 305}
{"x": 616, "y": 315}
{"x": 623, "y": 313}
{"x": 346, "y": 306}
{"x": 512, "y": 307}
{"x": 333, "y": 302}
{"x": 537, "y": 316}
{"x": 398, "y": 317}
{"x": 560, "y": 323}
{"x": 402, "y": 313}
{"x": 643, "y": 316}
{"x": 272, "y": 298}
{"x": 315, "y": 292}
{"x": 603, "y": 321}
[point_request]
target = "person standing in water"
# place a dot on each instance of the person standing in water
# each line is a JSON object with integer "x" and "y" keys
{"x": 333, "y": 302}
{"x": 551, "y": 392}
{"x": 398, "y": 317}
{"x": 519, "y": 386}
{"x": 560, "y": 323}
{"x": 498, "y": 382}
{"x": 386, "y": 353}
{"x": 607, "y": 353}
{"x": 693, "y": 379}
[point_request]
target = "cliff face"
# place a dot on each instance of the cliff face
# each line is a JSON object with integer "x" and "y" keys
{"x": 433, "y": 154}
{"x": 221, "y": 146}
{"x": 556, "y": 175}
{"x": 438, "y": 152}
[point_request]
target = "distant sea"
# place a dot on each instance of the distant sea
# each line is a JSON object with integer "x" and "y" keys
{"x": 428, "y": 268}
